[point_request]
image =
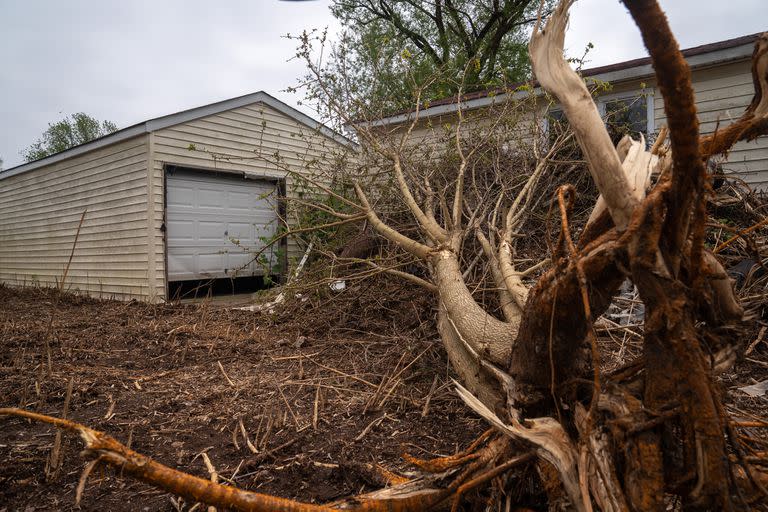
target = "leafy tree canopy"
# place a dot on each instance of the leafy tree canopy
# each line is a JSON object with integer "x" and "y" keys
{"x": 69, "y": 132}
{"x": 456, "y": 45}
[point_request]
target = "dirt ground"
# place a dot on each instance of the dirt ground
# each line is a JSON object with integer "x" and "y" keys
{"x": 322, "y": 388}
{"x": 176, "y": 381}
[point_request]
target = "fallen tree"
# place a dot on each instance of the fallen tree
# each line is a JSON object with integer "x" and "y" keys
{"x": 652, "y": 431}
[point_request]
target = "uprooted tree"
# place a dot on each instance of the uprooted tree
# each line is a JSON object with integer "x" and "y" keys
{"x": 631, "y": 439}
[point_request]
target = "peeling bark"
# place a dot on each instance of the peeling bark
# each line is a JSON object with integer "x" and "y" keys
{"x": 556, "y": 76}
{"x": 638, "y": 165}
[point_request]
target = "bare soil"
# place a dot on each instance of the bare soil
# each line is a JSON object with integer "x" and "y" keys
{"x": 175, "y": 381}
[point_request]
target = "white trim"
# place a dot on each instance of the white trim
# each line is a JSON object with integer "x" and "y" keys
{"x": 649, "y": 111}
{"x": 159, "y": 123}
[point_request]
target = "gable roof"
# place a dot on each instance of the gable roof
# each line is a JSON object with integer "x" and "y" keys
{"x": 712, "y": 54}
{"x": 184, "y": 116}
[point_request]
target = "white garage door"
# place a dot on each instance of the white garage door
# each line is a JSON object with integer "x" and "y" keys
{"x": 215, "y": 223}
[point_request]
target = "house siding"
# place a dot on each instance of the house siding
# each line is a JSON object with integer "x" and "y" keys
{"x": 516, "y": 122}
{"x": 722, "y": 94}
{"x": 40, "y": 212}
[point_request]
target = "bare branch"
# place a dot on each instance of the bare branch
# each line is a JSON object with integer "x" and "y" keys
{"x": 403, "y": 275}
{"x": 509, "y": 306}
{"x": 408, "y": 244}
{"x": 556, "y": 76}
{"x": 431, "y": 228}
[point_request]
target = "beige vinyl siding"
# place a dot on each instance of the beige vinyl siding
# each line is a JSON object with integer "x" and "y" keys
{"x": 514, "y": 122}
{"x": 722, "y": 94}
{"x": 40, "y": 212}
{"x": 233, "y": 141}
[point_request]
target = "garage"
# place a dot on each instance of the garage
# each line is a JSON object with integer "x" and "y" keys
{"x": 176, "y": 204}
{"x": 216, "y": 223}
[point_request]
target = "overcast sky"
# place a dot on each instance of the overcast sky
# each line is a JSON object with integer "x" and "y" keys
{"x": 132, "y": 60}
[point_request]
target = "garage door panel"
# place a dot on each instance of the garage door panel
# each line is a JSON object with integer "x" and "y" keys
{"x": 210, "y": 231}
{"x": 183, "y": 230}
{"x": 242, "y": 201}
{"x": 215, "y": 223}
{"x": 239, "y": 264}
{"x": 181, "y": 196}
{"x": 264, "y": 216}
{"x": 242, "y": 231}
{"x": 210, "y": 264}
{"x": 210, "y": 198}
{"x": 184, "y": 266}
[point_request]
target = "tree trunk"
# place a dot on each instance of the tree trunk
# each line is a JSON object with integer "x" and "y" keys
{"x": 551, "y": 346}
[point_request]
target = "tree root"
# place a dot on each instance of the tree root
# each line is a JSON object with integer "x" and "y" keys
{"x": 441, "y": 464}
{"x": 141, "y": 467}
{"x": 488, "y": 457}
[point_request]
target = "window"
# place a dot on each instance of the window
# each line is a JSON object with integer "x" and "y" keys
{"x": 556, "y": 124}
{"x": 626, "y": 116}
{"x": 623, "y": 115}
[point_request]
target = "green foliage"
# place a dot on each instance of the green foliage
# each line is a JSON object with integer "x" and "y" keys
{"x": 268, "y": 256}
{"x": 455, "y": 45}
{"x": 69, "y": 132}
{"x": 318, "y": 214}
{"x": 581, "y": 61}
{"x": 270, "y": 259}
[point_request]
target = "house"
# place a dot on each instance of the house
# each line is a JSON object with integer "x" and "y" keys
{"x": 177, "y": 199}
{"x": 722, "y": 80}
